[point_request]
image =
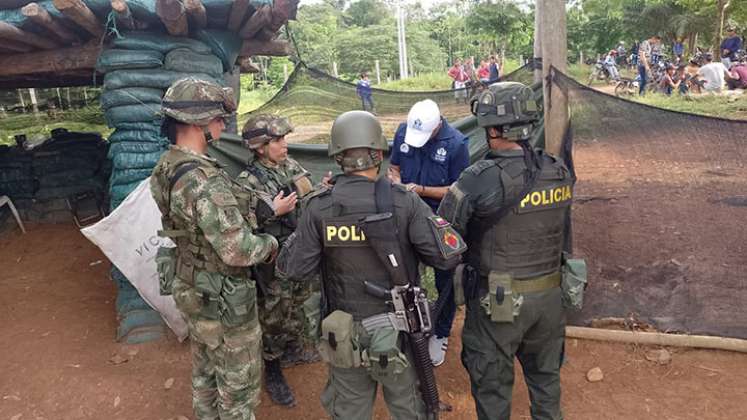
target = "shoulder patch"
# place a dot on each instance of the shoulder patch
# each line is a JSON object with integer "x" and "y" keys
{"x": 449, "y": 242}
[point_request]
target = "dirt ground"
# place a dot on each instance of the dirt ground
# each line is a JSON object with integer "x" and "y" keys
{"x": 57, "y": 326}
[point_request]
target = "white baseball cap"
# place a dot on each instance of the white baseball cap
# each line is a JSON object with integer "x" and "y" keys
{"x": 423, "y": 118}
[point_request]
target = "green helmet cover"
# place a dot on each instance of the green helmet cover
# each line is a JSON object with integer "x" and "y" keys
{"x": 263, "y": 128}
{"x": 509, "y": 105}
{"x": 197, "y": 102}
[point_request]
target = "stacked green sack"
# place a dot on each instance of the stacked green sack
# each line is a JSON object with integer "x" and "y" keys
{"x": 139, "y": 67}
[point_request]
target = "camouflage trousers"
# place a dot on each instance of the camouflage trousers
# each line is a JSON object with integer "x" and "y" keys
{"x": 282, "y": 316}
{"x": 536, "y": 337}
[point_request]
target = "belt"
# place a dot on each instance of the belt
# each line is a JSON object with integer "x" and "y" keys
{"x": 537, "y": 284}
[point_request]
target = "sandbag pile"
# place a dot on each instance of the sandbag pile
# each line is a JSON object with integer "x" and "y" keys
{"x": 139, "y": 68}
{"x": 40, "y": 179}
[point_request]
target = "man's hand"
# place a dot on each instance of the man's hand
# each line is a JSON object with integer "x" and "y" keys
{"x": 327, "y": 179}
{"x": 414, "y": 187}
{"x": 393, "y": 175}
{"x": 284, "y": 205}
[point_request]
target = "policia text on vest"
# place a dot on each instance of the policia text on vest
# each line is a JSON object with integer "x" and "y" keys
{"x": 546, "y": 198}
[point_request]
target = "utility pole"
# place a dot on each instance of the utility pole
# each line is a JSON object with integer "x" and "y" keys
{"x": 378, "y": 73}
{"x": 402, "y": 41}
{"x": 554, "y": 41}
{"x": 537, "y": 40}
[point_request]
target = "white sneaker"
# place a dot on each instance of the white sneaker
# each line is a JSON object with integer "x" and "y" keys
{"x": 437, "y": 349}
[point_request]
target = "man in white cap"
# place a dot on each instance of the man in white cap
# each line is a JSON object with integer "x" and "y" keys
{"x": 428, "y": 155}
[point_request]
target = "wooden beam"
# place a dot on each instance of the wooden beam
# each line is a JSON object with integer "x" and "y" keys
{"x": 52, "y": 61}
{"x": 256, "y": 47}
{"x": 554, "y": 54}
{"x": 197, "y": 12}
{"x": 282, "y": 11}
{"x": 266, "y": 34}
{"x": 260, "y": 18}
{"x": 124, "y": 16}
{"x": 13, "y": 4}
{"x": 174, "y": 16}
{"x": 15, "y": 46}
{"x": 41, "y": 17}
{"x": 78, "y": 12}
{"x": 10, "y": 32}
{"x": 238, "y": 12}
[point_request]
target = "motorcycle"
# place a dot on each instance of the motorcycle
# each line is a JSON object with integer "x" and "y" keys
{"x": 599, "y": 72}
{"x": 626, "y": 87}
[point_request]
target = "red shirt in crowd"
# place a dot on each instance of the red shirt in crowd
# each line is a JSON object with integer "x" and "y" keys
{"x": 458, "y": 74}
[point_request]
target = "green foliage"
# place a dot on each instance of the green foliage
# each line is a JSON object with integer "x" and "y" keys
{"x": 365, "y": 13}
{"x": 420, "y": 83}
{"x": 90, "y": 118}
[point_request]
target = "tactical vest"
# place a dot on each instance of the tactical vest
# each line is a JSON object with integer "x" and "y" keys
{"x": 284, "y": 225}
{"x": 528, "y": 241}
{"x": 347, "y": 257}
{"x": 194, "y": 252}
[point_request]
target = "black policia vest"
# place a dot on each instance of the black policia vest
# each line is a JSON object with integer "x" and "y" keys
{"x": 348, "y": 259}
{"x": 528, "y": 241}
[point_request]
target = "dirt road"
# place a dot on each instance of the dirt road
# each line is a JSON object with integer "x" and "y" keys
{"x": 58, "y": 356}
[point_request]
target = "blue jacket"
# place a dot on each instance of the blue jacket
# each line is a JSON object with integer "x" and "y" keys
{"x": 732, "y": 44}
{"x": 363, "y": 88}
{"x": 437, "y": 164}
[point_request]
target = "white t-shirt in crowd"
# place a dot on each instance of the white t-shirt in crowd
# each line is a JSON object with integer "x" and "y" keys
{"x": 713, "y": 73}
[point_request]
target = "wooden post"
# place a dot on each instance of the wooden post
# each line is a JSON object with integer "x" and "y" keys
{"x": 197, "y": 12}
{"x": 537, "y": 40}
{"x": 16, "y": 46}
{"x": 554, "y": 54}
{"x": 85, "y": 96}
{"x": 378, "y": 73}
{"x": 23, "y": 103}
{"x": 51, "y": 61}
{"x": 34, "y": 105}
{"x": 12, "y": 33}
{"x": 285, "y": 73}
{"x": 79, "y": 13}
{"x": 2, "y": 112}
{"x": 174, "y": 16}
{"x": 67, "y": 96}
{"x": 59, "y": 98}
{"x": 124, "y": 16}
{"x": 276, "y": 47}
{"x": 521, "y": 60}
{"x": 334, "y": 69}
{"x": 41, "y": 17}
{"x": 581, "y": 57}
{"x": 238, "y": 12}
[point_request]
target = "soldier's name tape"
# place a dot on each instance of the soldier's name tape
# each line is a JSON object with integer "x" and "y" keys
{"x": 546, "y": 198}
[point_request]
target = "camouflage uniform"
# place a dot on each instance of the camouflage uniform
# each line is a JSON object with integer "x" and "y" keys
{"x": 281, "y": 303}
{"x": 204, "y": 211}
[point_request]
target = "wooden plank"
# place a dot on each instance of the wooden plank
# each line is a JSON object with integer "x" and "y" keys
{"x": 174, "y": 16}
{"x": 197, "y": 12}
{"x": 554, "y": 54}
{"x": 15, "y": 46}
{"x": 239, "y": 9}
{"x": 247, "y": 66}
{"x": 78, "y": 12}
{"x": 41, "y": 17}
{"x": 124, "y": 16}
{"x": 12, "y": 33}
{"x": 276, "y": 47}
{"x": 52, "y": 61}
{"x": 260, "y": 18}
{"x": 282, "y": 11}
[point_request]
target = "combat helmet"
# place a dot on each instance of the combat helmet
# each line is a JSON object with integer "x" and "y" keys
{"x": 510, "y": 106}
{"x": 263, "y": 128}
{"x": 197, "y": 102}
{"x": 357, "y": 130}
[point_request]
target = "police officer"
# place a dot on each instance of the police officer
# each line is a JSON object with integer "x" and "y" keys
{"x": 428, "y": 155}
{"x": 512, "y": 208}
{"x": 281, "y": 302}
{"x": 331, "y": 236}
{"x": 214, "y": 246}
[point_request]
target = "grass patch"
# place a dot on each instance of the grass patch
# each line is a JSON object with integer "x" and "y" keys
{"x": 716, "y": 106}
{"x": 90, "y": 118}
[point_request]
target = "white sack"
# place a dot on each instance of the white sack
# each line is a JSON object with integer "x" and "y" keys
{"x": 128, "y": 238}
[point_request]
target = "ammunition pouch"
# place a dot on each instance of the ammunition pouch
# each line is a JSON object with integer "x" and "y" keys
{"x": 466, "y": 284}
{"x": 166, "y": 268}
{"x": 501, "y": 298}
{"x": 573, "y": 282}
{"x": 339, "y": 344}
{"x": 238, "y": 301}
{"x": 207, "y": 288}
{"x": 383, "y": 358}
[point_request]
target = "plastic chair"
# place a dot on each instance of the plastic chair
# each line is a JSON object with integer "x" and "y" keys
{"x": 6, "y": 200}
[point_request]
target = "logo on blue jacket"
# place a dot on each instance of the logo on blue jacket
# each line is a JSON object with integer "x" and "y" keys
{"x": 440, "y": 155}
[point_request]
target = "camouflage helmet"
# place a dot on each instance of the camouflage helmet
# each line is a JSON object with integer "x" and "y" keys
{"x": 357, "y": 130}
{"x": 261, "y": 129}
{"x": 509, "y": 105}
{"x": 197, "y": 102}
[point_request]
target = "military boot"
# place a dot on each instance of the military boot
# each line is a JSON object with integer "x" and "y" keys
{"x": 297, "y": 353}
{"x": 276, "y": 384}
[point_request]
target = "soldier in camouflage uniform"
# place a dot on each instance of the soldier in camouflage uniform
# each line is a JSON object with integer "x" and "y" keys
{"x": 281, "y": 312}
{"x": 208, "y": 218}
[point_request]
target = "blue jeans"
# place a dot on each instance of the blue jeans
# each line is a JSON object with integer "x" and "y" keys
{"x": 367, "y": 103}
{"x": 446, "y": 317}
{"x": 642, "y": 74}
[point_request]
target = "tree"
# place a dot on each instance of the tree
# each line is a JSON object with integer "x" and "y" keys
{"x": 365, "y": 13}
